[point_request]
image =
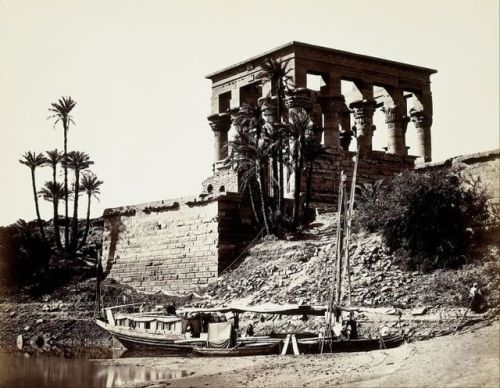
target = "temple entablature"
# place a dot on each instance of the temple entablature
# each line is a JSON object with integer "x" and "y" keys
{"x": 400, "y": 91}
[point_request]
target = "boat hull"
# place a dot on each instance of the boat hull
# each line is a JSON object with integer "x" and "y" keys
{"x": 253, "y": 349}
{"x": 343, "y": 346}
{"x": 151, "y": 344}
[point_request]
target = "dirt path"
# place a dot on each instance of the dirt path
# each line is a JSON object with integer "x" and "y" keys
{"x": 469, "y": 359}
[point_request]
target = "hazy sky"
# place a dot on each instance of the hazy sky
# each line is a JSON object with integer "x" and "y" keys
{"x": 136, "y": 69}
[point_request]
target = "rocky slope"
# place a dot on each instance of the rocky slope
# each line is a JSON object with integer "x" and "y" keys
{"x": 301, "y": 272}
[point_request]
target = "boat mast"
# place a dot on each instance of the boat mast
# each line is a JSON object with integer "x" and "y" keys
{"x": 347, "y": 225}
{"x": 337, "y": 264}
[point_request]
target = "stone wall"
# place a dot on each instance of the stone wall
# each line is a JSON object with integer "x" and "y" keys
{"x": 484, "y": 166}
{"x": 326, "y": 173}
{"x": 174, "y": 245}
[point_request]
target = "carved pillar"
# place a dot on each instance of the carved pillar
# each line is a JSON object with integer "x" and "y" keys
{"x": 333, "y": 108}
{"x": 423, "y": 122}
{"x": 220, "y": 124}
{"x": 396, "y": 126}
{"x": 363, "y": 115}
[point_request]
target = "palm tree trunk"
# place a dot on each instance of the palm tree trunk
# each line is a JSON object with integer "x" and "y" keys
{"x": 262, "y": 202}
{"x": 87, "y": 224}
{"x": 308, "y": 185}
{"x": 66, "y": 219}
{"x": 298, "y": 178}
{"x": 55, "y": 203}
{"x": 276, "y": 188}
{"x": 281, "y": 185}
{"x": 252, "y": 202}
{"x": 35, "y": 196}
{"x": 74, "y": 226}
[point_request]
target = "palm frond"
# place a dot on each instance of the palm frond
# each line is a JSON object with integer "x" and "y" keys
{"x": 33, "y": 159}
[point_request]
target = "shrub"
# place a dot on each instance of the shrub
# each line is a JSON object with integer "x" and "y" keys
{"x": 432, "y": 219}
{"x": 23, "y": 253}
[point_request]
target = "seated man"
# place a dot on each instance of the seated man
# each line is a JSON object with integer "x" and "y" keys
{"x": 351, "y": 327}
{"x": 478, "y": 303}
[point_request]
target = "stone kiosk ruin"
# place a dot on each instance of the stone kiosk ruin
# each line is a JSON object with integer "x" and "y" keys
{"x": 178, "y": 245}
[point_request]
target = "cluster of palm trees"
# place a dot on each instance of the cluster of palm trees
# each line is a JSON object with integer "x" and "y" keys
{"x": 83, "y": 182}
{"x": 266, "y": 152}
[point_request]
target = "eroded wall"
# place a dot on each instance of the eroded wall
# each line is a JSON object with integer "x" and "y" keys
{"x": 484, "y": 166}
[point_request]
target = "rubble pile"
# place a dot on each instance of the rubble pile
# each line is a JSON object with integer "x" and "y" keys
{"x": 302, "y": 271}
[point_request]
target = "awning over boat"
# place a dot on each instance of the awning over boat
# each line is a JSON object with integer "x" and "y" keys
{"x": 146, "y": 318}
{"x": 266, "y": 308}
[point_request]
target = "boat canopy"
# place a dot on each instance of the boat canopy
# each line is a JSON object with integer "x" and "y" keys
{"x": 266, "y": 308}
{"x": 147, "y": 318}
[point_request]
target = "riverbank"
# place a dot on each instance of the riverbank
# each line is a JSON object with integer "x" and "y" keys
{"x": 466, "y": 359}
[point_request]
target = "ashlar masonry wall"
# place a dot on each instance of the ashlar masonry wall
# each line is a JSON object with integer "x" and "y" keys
{"x": 326, "y": 173}
{"x": 175, "y": 245}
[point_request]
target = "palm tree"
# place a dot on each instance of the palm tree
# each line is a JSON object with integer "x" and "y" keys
{"x": 62, "y": 113}
{"x": 252, "y": 149}
{"x": 277, "y": 73}
{"x": 54, "y": 192}
{"x": 300, "y": 122}
{"x": 249, "y": 156}
{"x": 76, "y": 161}
{"x": 34, "y": 160}
{"x": 91, "y": 185}
{"x": 54, "y": 157}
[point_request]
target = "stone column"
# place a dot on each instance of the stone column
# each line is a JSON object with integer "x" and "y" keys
{"x": 220, "y": 124}
{"x": 423, "y": 122}
{"x": 363, "y": 116}
{"x": 396, "y": 128}
{"x": 332, "y": 108}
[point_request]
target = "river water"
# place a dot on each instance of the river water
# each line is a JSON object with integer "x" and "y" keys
{"x": 19, "y": 371}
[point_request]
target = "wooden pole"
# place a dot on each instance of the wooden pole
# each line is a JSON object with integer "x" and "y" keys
{"x": 348, "y": 224}
{"x": 328, "y": 325}
{"x": 98, "y": 286}
{"x": 340, "y": 239}
{"x": 466, "y": 311}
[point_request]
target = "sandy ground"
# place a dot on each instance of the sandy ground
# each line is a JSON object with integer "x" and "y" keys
{"x": 469, "y": 359}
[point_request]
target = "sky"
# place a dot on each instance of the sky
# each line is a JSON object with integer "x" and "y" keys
{"x": 137, "y": 71}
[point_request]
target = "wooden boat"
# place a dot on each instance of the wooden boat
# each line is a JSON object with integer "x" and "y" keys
{"x": 313, "y": 345}
{"x": 243, "y": 349}
{"x": 150, "y": 332}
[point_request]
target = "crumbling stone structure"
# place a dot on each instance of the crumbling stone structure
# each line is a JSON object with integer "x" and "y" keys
{"x": 179, "y": 245}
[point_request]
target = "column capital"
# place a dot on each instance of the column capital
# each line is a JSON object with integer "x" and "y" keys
{"x": 420, "y": 118}
{"x": 332, "y": 104}
{"x": 300, "y": 98}
{"x": 363, "y": 108}
{"x": 394, "y": 114}
{"x": 220, "y": 122}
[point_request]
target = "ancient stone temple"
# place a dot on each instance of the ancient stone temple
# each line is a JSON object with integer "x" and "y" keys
{"x": 402, "y": 92}
{"x": 181, "y": 244}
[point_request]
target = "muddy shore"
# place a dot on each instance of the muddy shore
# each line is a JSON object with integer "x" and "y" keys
{"x": 463, "y": 360}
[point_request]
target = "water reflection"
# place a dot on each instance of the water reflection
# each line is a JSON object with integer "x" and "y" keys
{"x": 19, "y": 371}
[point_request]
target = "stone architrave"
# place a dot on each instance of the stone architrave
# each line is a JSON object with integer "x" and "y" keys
{"x": 396, "y": 122}
{"x": 423, "y": 123}
{"x": 220, "y": 124}
{"x": 333, "y": 108}
{"x": 363, "y": 116}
